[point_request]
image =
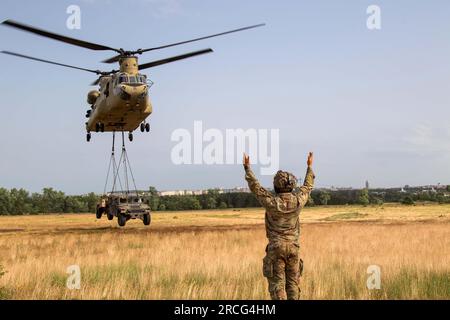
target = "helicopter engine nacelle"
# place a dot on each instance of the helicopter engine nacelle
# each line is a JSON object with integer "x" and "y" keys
{"x": 92, "y": 96}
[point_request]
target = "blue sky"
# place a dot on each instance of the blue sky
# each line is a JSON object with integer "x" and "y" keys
{"x": 371, "y": 104}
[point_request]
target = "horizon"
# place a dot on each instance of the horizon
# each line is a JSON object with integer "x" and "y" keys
{"x": 332, "y": 188}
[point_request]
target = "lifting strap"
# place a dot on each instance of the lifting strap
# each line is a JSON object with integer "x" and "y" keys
{"x": 115, "y": 168}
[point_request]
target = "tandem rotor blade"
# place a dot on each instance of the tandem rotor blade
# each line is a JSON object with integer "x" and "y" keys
{"x": 44, "y": 33}
{"x": 140, "y": 51}
{"x": 56, "y": 63}
{"x": 112, "y": 59}
{"x": 172, "y": 59}
{"x": 202, "y": 38}
{"x": 96, "y": 82}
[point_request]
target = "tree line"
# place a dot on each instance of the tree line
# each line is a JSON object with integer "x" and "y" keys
{"x": 378, "y": 196}
{"x": 212, "y": 199}
{"x": 20, "y": 201}
{"x": 215, "y": 200}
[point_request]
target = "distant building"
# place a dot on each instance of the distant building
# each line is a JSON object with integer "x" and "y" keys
{"x": 171, "y": 193}
{"x": 200, "y": 192}
{"x": 236, "y": 190}
{"x": 367, "y": 184}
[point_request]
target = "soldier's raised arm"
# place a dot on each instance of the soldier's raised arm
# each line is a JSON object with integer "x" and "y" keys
{"x": 264, "y": 197}
{"x": 305, "y": 190}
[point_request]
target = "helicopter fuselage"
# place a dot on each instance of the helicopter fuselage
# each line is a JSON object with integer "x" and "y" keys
{"x": 122, "y": 102}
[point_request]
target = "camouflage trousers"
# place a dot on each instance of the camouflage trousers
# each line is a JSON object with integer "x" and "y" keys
{"x": 283, "y": 267}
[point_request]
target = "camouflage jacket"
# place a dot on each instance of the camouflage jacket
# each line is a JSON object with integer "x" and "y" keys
{"x": 283, "y": 209}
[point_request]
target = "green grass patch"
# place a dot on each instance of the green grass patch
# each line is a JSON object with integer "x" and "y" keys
{"x": 102, "y": 274}
{"x": 5, "y": 293}
{"x": 414, "y": 284}
{"x": 57, "y": 279}
{"x": 345, "y": 216}
{"x": 224, "y": 215}
{"x": 337, "y": 282}
{"x": 132, "y": 245}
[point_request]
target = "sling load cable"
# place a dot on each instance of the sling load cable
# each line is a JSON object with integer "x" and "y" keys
{"x": 127, "y": 166}
{"x": 125, "y": 171}
{"x": 114, "y": 169}
{"x": 131, "y": 172}
{"x": 117, "y": 172}
{"x": 109, "y": 166}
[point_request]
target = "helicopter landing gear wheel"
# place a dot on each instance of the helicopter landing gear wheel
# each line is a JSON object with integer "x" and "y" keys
{"x": 102, "y": 127}
{"x": 130, "y": 136}
{"x": 88, "y": 137}
{"x": 142, "y": 127}
{"x": 147, "y": 127}
{"x": 97, "y": 127}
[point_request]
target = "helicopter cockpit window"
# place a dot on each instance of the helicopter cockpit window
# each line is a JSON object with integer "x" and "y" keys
{"x": 123, "y": 79}
{"x": 139, "y": 79}
{"x": 132, "y": 79}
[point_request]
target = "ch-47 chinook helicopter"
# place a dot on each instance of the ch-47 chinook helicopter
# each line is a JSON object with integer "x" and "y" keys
{"x": 122, "y": 102}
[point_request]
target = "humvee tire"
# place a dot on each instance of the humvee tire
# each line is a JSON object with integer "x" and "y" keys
{"x": 109, "y": 216}
{"x": 98, "y": 213}
{"x": 147, "y": 219}
{"x": 121, "y": 220}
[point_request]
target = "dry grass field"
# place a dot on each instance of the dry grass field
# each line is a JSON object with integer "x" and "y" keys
{"x": 218, "y": 254}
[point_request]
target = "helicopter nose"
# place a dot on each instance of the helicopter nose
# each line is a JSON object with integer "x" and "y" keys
{"x": 133, "y": 92}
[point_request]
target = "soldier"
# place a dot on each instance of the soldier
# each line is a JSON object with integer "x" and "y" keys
{"x": 282, "y": 265}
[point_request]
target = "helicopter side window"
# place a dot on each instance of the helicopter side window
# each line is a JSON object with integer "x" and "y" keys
{"x": 141, "y": 79}
{"x": 107, "y": 89}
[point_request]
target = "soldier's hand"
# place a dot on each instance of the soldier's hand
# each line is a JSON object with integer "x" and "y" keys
{"x": 309, "y": 162}
{"x": 246, "y": 160}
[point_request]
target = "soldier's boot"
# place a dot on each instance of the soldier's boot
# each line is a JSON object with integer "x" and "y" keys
{"x": 278, "y": 294}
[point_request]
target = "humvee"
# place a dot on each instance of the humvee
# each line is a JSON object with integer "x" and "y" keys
{"x": 125, "y": 207}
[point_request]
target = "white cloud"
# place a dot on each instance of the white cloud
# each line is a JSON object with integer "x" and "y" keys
{"x": 426, "y": 138}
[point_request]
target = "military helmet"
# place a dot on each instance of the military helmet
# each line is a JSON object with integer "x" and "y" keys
{"x": 284, "y": 182}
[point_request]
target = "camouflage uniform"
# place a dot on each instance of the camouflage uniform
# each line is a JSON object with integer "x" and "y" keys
{"x": 282, "y": 265}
